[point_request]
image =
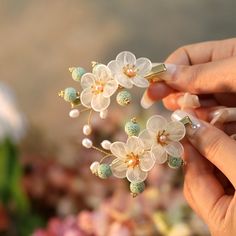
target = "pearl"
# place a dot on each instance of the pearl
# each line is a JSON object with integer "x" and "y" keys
{"x": 162, "y": 138}
{"x": 87, "y": 130}
{"x": 106, "y": 144}
{"x": 94, "y": 167}
{"x": 103, "y": 114}
{"x": 74, "y": 113}
{"x": 87, "y": 143}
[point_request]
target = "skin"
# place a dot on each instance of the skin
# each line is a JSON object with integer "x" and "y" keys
{"x": 209, "y": 70}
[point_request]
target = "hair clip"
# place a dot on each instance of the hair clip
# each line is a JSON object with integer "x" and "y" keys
{"x": 158, "y": 143}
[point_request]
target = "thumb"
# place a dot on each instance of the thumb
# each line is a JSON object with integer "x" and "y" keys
{"x": 213, "y": 144}
{"x": 211, "y": 77}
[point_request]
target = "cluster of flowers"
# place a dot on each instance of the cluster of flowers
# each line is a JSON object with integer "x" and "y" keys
{"x": 158, "y": 143}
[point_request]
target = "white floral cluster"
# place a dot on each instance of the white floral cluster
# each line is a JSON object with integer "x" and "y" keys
{"x": 104, "y": 81}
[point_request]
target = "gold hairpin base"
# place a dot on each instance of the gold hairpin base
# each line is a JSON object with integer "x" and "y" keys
{"x": 156, "y": 70}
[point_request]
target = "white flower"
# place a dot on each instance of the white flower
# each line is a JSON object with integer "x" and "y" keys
{"x": 97, "y": 88}
{"x": 128, "y": 71}
{"x": 163, "y": 137}
{"x": 132, "y": 160}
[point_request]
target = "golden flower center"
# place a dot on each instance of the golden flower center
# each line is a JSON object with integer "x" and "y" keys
{"x": 130, "y": 70}
{"x": 132, "y": 160}
{"x": 98, "y": 87}
{"x": 162, "y": 137}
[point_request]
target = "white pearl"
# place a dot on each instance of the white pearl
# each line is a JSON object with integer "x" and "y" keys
{"x": 103, "y": 114}
{"x": 74, "y": 113}
{"x": 87, "y": 143}
{"x": 87, "y": 130}
{"x": 163, "y": 138}
{"x": 94, "y": 167}
{"x": 106, "y": 144}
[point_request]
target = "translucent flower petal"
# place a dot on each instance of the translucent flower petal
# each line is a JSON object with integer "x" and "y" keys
{"x": 136, "y": 175}
{"x": 174, "y": 149}
{"x": 146, "y": 138}
{"x": 125, "y": 58}
{"x": 140, "y": 81}
{"x": 102, "y": 72}
{"x": 87, "y": 80}
{"x": 124, "y": 81}
{"x": 159, "y": 153}
{"x": 114, "y": 67}
{"x": 119, "y": 168}
{"x": 144, "y": 66}
{"x": 110, "y": 88}
{"x": 147, "y": 161}
{"x": 135, "y": 145}
{"x": 118, "y": 149}
{"x": 99, "y": 102}
{"x": 176, "y": 130}
{"x": 156, "y": 123}
{"x": 86, "y": 97}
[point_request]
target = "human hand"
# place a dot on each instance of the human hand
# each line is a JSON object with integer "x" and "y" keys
{"x": 207, "y": 69}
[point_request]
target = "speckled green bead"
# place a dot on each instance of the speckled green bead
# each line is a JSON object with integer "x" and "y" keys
{"x": 77, "y": 73}
{"x": 175, "y": 162}
{"x": 132, "y": 128}
{"x": 104, "y": 171}
{"x": 123, "y": 98}
{"x": 137, "y": 188}
{"x": 70, "y": 94}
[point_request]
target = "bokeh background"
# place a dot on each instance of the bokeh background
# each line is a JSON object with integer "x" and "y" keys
{"x": 39, "y": 41}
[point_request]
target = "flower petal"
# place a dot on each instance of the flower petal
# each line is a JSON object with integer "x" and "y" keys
{"x": 176, "y": 130}
{"x": 118, "y": 149}
{"x": 86, "y": 97}
{"x": 174, "y": 149}
{"x": 99, "y": 102}
{"x": 114, "y": 67}
{"x": 156, "y": 123}
{"x": 125, "y": 58}
{"x": 147, "y": 161}
{"x": 136, "y": 175}
{"x": 146, "y": 138}
{"x": 140, "y": 81}
{"x": 124, "y": 81}
{"x": 87, "y": 80}
{"x": 110, "y": 88}
{"x": 102, "y": 72}
{"x": 119, "y": 168}
{"x": 144, "y": 66}
{"x": 159, "y": 153}
{"x": 135, "y": 145}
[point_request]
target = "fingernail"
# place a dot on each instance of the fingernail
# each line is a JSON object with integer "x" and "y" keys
{"x": 223, "y": 115}
{"x": 191, "y": 130}
{"x": 169, "y": 74}
{"x": 146, "y": 102}
{"x": 188, "y": 101}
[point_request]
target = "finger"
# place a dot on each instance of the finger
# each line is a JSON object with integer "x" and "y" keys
{"x": 213, "y": 144}
{"x": 200, "y": 53}
{"x": 200, "y": 184}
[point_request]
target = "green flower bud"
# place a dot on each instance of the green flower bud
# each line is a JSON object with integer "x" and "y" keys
{"x": 136, "y": 188}
{"x": 123, "y": 98}
{"x": 104, "y": 171}
{"x": 70, "y": 94}
{"x": 132, "y": 128}
{"x": 77, "y": 73}
{"x": 175, "y": 162}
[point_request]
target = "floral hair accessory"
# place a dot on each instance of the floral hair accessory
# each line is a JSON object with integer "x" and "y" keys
{"x": 157, "y": 144}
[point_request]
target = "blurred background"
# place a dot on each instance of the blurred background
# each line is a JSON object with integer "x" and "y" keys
{"x": 45, "y": 184}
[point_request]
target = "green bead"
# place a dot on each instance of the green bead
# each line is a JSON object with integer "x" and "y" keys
{"x": 70, "y": 94}
{"x": 77, "y": 73}
{"x": 137, "y": 188}
{"x": 132, "y": 128}
{"x": 175, "y": 162}
{"x": 123, "y": 98}
{"x": 104, "y": 171}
